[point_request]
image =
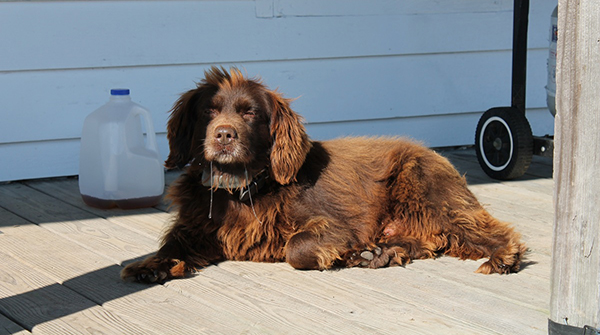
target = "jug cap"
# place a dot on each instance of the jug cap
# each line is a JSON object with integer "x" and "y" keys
{"x": 119, "y": 91}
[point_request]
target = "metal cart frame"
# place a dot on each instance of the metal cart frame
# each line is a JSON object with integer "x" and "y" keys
{"x": 503, "y": 140}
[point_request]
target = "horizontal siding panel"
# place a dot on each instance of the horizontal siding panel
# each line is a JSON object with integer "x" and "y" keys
{"x": 66, "y": 35}
{"x": 61, "y": 158}
{"x": 383, "y": 7}
{"x": 358, "y": 89}
{"x": 432, "y": 131}
{"x": 54, "y": 106}
{"x": 30, "y": 160}
{"x": 44, "y": 159}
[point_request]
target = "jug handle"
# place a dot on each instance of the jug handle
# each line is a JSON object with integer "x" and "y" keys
{"x": 151, "y": 135}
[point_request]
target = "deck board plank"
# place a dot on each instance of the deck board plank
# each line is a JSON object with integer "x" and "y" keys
{"x": 8, "y": 327}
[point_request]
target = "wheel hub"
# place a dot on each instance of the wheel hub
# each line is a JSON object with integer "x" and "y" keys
{"x": 497, "y": 143}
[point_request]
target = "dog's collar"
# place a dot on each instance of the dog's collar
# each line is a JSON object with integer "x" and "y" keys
{"x": 258, "y": 182}
{"x": 246, "y": 188}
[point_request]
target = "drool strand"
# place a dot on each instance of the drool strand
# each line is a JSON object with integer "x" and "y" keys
{"x": 212, "y": 190}
{"x": 250, "y": 194}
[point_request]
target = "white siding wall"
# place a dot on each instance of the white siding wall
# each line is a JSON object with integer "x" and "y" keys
{"x": 420, "y": 68}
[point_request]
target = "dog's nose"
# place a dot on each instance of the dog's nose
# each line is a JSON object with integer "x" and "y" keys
{"x": 225, "y": 134}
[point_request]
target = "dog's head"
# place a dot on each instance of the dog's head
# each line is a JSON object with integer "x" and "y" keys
{"x": 236, "y": 123}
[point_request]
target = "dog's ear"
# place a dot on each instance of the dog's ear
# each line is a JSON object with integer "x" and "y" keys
{"x": 180, "y": 127}
{"x": 290, "y": 141}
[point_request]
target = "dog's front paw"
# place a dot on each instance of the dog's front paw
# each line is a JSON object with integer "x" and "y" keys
{"x": 154, "y": 269}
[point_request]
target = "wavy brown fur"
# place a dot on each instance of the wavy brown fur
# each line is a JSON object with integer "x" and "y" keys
{"x": 325, "y": 203}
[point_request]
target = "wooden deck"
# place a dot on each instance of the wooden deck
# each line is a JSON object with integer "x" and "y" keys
{"x": 60, "y": 263}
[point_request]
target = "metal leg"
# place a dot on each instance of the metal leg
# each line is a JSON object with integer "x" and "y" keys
{"x": 519, "y": 61}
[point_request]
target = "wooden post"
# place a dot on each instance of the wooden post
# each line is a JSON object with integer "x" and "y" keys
{"x": 575, "y": 300}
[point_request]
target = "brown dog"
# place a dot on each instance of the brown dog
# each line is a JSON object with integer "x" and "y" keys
{"x": 257, "y": 188}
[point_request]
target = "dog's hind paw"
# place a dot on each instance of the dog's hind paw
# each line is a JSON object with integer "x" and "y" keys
{"x": 504, "y": 260}
{"x": 378, "y": 257}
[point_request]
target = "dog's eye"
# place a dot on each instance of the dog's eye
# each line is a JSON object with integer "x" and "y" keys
{"x": 250, "y": 113}
{"x": 210, "y": 112}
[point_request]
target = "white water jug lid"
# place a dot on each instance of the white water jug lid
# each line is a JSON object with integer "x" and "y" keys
{"x": 119, "y": 91}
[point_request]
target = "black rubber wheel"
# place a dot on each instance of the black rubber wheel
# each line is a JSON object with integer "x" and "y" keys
{"x": 504, "y": 143}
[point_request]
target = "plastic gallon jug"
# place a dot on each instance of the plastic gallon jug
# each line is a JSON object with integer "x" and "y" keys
{"x": 118, "y": 165}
